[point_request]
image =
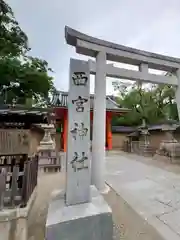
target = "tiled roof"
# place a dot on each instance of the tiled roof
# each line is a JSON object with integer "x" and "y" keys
{"x": 22, "y": 111}
{"x": 60, "y": 99}
{"x": 19, "y": 114}
{"x": 128, "y": 129}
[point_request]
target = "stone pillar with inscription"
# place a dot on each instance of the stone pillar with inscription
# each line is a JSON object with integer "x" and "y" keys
{"x": 78, "y": 150}
{"x": 80, "y": 212}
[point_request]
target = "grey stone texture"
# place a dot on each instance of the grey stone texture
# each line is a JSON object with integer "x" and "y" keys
{"x": 147, "y": 194}
{"x": 86, "y": 221}
{"x": 78, "y": 150}
{"x": 129, "y": 55}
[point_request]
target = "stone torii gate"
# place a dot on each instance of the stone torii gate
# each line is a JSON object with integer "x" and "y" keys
{"x": 103, "y": 50}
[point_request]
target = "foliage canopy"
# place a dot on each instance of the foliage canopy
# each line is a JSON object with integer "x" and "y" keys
{"x": 21, "y": 75}
{"x": 154, "y": 105}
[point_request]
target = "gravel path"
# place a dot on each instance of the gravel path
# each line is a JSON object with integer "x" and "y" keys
{"x": 47, "y": 182}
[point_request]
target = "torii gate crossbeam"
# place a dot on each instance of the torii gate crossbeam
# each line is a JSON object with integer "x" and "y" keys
{"x": 102, "y": 51}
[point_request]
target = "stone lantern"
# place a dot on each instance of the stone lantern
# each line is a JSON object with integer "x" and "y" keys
{"x": 47, "y": 147}
{"x": 170, "y": 147}
{"x": 145, "y": 132}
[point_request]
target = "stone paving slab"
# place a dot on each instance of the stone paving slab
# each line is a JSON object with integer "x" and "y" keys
{"x": 152, "y": 192}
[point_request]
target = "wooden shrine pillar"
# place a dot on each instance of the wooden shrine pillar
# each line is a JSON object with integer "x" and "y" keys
{"x": 91, "y": 116}
{"x": 108, "y": 130}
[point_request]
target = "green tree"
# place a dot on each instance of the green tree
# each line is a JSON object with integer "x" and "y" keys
{"x": 21, "y": 76}
{"x": 169, "y": 99}
{"x": 13, "y": 41}
{"x": 152, "y": 105}
{"x": 141, "y": 105}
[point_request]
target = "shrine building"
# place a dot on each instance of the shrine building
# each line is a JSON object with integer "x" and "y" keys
{"x": 60, "y": 102}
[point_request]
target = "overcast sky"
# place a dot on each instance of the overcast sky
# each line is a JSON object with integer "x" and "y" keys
{"x": 149, "y": 25}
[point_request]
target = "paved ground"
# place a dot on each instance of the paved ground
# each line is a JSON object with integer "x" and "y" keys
{"x": 131, "y": 175}
{"x": 175, "y": 168}
{"x": 152, "y": 192}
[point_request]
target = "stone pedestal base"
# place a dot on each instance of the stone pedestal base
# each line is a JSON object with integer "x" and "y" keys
{"x": 88, "y": 221}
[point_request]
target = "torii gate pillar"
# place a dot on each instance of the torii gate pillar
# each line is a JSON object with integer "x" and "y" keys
{"x": 99, "y": 124}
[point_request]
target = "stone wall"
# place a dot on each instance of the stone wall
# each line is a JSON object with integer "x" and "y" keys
{"x": 155, "y": 138}
{"x": 118, "y": 140}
